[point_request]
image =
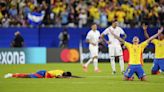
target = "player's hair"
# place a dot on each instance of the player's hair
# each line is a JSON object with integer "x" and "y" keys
{"x": 67, "y": 74}
{"x": 93, "y": 24}
{"x": 115, "y": 20}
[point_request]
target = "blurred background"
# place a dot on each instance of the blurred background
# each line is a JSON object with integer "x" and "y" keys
{"x": 59, "y": 24}
{"x": 81, "y": 13}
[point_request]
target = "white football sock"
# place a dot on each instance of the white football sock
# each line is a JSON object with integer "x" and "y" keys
{"x": 88, "y": 62}
{"x": 95, "y": 63}
{"x": 112, "y": 61}
{"x": 121, "y": 61}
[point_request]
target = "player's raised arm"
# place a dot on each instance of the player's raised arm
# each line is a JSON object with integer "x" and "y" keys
{"x": 145, "y": 31}
{"x": 117, "y": 37}
{"x": 154, "y": 36}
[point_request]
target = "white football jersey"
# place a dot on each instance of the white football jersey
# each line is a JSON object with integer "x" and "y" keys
{"x": 93, "y": 36}
{"x": 117, "y": 31}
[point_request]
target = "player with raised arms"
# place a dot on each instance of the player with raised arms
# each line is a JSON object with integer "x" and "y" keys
{"x": 135, "y": 60}
{"x": 93, "y": 39}
{"x": 158, "y": 63}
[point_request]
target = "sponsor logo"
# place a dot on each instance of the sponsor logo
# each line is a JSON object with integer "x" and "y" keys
{"x": 100, "y": 55}
{"x": 12, "y": 57}
{"x": 148, "y": 55}
{"x": 69, "y": 55}
{"x": 104, "y": 55}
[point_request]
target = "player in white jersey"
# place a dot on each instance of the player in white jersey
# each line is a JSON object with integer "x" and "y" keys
{"x": 93, "y": 39}
{"x": 114, "y": 45}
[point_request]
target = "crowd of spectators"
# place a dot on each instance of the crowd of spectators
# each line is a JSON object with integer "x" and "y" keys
{"x": 81, "y": 13}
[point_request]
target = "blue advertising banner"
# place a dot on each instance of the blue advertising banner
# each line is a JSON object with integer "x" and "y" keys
{"x": 23, "y": 55}
{"x": 48, "y": 36}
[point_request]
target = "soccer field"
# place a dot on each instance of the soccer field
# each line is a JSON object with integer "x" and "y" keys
{"x": 92, "y": 82}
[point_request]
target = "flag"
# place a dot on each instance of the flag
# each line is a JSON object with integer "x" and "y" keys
{"x": 35, "y": 18}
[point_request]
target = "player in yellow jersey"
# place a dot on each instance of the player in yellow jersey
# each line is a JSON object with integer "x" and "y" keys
{"x": 158, "y": 63}
{"x": 42, "y": 74}
{"x": 135, "y": 60}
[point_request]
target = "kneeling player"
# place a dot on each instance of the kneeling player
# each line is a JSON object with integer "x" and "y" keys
{"x": 42, "y": 74}
{"x": 158, "y": 63}
{"x": 135, "y": 59}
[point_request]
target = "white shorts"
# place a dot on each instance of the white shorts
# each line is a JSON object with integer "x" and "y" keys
{"x": 93, "y": 51}
{"x": 115, "y": 50}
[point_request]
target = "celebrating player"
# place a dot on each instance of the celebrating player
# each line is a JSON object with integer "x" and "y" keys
{"x": 114, "y": 45}
{"x": 42, "y": 74}
{"x": 93, "y": 40}
{"x": 158, "y": 63}
{"x": 135, "y": 60}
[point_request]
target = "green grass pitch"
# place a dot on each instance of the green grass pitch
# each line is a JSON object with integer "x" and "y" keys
{"x": 92, "y": 82}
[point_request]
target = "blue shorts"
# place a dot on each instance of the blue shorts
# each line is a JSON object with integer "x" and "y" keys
{"x": 137, "y": 69}
{"x": 38, "y": 74}
{"x": 158, "y": 64}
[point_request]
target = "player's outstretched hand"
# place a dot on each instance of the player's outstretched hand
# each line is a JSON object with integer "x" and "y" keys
{"x": 160, "y": 30}
{"x": 144, "y": 27}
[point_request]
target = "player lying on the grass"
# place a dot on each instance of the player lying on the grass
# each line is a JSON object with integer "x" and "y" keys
{"x": 42, "y": 74}
{"x": 135, "y": 59}
{"x": 93, "y": 40}
{"x": 158, "y": 63}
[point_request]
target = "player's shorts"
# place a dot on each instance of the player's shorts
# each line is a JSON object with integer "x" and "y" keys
{"x": 93, "y": 51}
{"x": 115, "y": 50}
{"x": 38, "y": 74}
{"x": 137, "y": 69}
{"x": 158, "y": 64}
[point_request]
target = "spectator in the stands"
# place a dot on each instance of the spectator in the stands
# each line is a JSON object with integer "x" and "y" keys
{"x": 129, "y": 13}
{"x": 82, "y": 18}
{"x": 5, "y": 21}
{"x": 103, "y": 18}
{"x": 64, "y": 17}
{"x": 13, "y": 11}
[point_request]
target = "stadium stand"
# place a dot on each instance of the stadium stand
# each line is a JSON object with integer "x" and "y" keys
{"x": 81, "y": 13}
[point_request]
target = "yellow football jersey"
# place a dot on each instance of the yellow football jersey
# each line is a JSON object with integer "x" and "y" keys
{"x": 135, "y": 52}
{"x": 159, "y": 47}
{"x": 54, "y": 73}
